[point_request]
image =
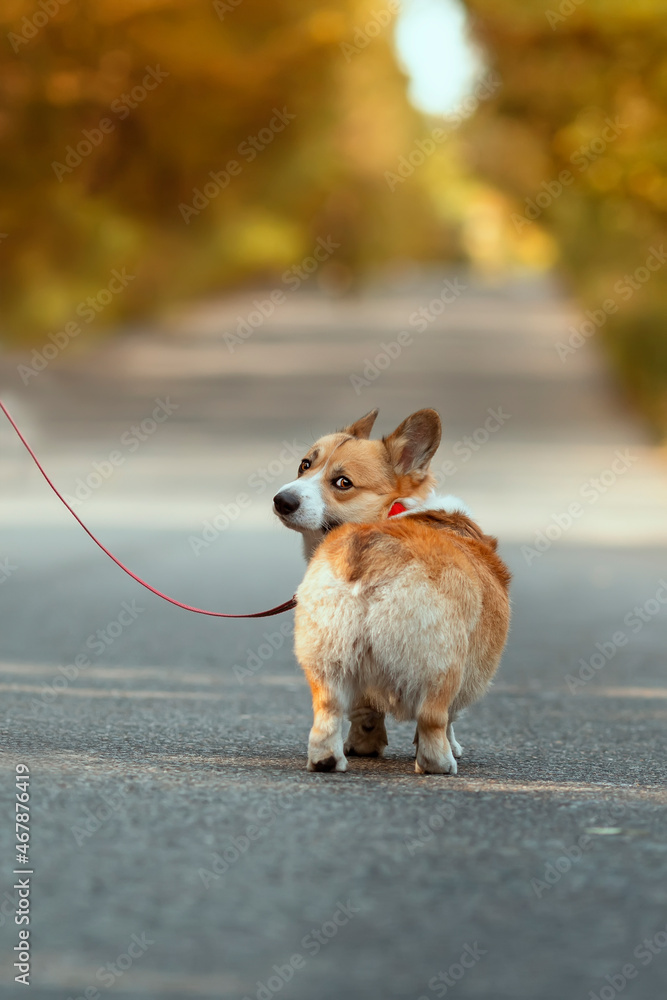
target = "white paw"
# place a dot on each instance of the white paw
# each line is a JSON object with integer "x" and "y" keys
{"x": 436, "y": 764}
{"x": 326, "y": 754}
{"x": 327, "y": 763}
{"x": 457, "y": 749}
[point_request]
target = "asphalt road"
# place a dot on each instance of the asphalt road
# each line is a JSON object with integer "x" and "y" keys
{"x": 179, "y": 847}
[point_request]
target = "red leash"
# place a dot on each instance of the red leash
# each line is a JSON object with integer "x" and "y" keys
{"x": 287, "y": 606}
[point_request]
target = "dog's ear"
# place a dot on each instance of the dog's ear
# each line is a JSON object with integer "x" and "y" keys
{"x": 362, "y": 427}
{"x": 414, "y": 442}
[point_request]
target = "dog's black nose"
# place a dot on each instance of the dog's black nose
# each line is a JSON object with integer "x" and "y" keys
{"x": 286, "y": 503}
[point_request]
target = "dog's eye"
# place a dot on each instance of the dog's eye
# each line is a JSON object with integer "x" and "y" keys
{"x": 305, "y": 464}
{"x": 343, "y": 483}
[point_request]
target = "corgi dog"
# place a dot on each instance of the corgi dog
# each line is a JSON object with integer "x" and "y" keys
{"x": 404, "y": 607}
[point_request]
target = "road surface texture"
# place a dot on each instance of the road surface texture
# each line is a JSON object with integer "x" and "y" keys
{"x": 179, "y": 847}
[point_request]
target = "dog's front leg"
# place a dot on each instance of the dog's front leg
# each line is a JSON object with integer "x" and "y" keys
{"x": 325, "y": 743}
{"x": 367, "y": 736}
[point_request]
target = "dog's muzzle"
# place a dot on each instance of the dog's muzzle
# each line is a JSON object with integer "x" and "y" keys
{"x": 286, "y": 503}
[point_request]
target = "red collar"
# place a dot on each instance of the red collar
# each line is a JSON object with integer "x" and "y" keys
{"x": 396, "y": 508}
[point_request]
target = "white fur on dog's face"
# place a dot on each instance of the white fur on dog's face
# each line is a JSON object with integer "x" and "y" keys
{"x": 311, "y": 513}
{"x": 319, "y": 505}
{"x": 346, "y": 478}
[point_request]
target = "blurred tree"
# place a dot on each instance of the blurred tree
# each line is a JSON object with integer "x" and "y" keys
{"x": 195, "y": 144}
{"x": 577, "y": 136}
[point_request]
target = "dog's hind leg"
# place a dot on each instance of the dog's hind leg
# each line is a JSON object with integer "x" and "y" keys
{"x": 434, "y": 751}
{"x": 367, "y": 736}
{"x": 457, "y": 749}
{"x": 325, "y": 743}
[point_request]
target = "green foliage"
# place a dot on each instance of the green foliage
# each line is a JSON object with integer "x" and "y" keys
{"x": 569, "y": 67}
{"x": 114, "y": 114}
{"x": 92, "y": 75}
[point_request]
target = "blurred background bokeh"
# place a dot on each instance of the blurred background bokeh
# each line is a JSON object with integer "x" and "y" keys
{"x": 226, "y": 228}
{"x": 117, "y": 116}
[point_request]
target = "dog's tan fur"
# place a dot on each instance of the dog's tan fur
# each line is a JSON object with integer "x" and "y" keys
{"x": 407, "y": 615}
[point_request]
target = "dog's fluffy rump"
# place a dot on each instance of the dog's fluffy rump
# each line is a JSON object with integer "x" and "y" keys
{"x": 405, "y": 614}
